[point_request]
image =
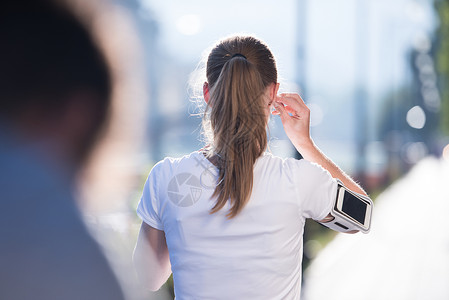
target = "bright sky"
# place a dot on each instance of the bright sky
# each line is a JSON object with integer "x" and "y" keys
{"x": 187, "y": 28}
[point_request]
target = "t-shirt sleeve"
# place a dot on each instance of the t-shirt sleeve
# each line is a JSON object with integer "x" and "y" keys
{"x": 148, "y": 208}
{"x": 317, "y": 190}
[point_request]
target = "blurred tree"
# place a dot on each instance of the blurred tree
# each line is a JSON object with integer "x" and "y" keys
{"x": 442, "y": 59}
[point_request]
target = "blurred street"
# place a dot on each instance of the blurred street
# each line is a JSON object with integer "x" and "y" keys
{"x": 406, "y": 254}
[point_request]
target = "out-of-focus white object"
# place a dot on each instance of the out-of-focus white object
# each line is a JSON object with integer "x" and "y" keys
{"x": 406, "y": 254}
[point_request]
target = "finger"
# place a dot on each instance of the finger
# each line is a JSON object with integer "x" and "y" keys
{"x": 281, "y": 110}
{"x": 292, "y": 95}
{"x": 289, "y": 109}
{"x": 293, "y": 100}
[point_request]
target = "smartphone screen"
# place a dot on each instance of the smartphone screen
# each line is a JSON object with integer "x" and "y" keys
{"x": 354, "y": 207}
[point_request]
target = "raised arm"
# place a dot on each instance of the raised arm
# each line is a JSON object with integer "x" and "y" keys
{"x": 151, "y": 259}
{"x": 297, "y": 128}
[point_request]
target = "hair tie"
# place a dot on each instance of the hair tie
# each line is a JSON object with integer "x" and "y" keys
{"x": 239, "y": 54}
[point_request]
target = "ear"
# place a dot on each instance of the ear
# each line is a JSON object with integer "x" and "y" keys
{"x": 206, "y": 92}
{"x": 274, "y": 90}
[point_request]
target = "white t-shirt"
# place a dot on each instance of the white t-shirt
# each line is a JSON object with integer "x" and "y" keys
{"x": 255, "y": 255}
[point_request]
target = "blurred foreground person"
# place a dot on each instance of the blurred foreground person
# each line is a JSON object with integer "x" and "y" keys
{"x": 228, "y": 220}
{"x": 54, "y": 99}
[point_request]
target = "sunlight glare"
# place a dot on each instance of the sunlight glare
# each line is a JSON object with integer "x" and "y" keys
{"x": 188, "y": 24}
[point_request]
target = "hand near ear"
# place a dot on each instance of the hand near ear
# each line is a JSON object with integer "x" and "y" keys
{"x": 295, "y": 117}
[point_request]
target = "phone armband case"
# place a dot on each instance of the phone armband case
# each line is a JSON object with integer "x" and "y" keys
{"x": 351, "y": 211}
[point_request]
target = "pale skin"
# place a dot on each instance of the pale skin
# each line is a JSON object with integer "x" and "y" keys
{"x": 151, "y": 258}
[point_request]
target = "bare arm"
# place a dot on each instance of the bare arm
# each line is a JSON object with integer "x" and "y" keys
{"x": 313, "y": 154}
{"x": 151, "y": 259}
{"x": 297, "y": 128}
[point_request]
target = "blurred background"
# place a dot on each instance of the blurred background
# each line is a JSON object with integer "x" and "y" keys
{"x": 375, "y": 75}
